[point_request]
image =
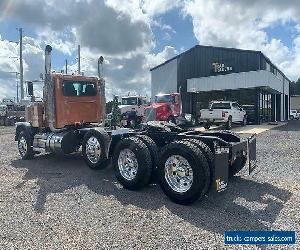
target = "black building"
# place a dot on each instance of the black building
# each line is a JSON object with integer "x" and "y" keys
{"x": 206, "y": 73}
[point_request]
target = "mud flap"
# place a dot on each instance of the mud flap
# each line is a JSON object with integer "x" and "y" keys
{"x": 221, "y": 169}
{"x": 252, "y": 153}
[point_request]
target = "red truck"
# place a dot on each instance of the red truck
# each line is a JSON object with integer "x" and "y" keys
{"x": 167, "y": 107}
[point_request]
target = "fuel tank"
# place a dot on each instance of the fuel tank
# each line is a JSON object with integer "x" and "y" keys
{"x": 64, "y": 142}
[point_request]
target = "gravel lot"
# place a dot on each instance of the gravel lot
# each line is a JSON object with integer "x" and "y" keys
{"x": 59, "y": 203}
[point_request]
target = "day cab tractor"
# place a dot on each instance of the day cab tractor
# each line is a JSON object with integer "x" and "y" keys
{"x": 186, "y": 164}
{"x": 132, "y": 110}
{"x": 167, "y": 107}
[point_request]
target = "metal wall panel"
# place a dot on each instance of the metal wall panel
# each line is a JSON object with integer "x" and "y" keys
{"x": 164, "y": 78}
{"x": 198, "y": 62}
{"x": 235, "y": 81}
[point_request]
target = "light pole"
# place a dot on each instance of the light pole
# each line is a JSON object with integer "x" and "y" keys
{"x": 21, "y": 63}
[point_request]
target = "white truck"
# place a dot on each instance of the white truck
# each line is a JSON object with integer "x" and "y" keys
{"x": 294, "y": 114}
{"x": 223, "y": 112}
{"x": 132, "y": 110}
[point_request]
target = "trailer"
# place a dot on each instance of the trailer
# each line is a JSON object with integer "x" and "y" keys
{"x": 187, "y": 164}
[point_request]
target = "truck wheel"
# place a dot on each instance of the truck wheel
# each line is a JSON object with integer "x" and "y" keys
{"x": 132, "y": 163}
{"x": 171, "y": 119}
{"x": 25, "y": 145}
{"x": 228, "y": 124}
{"x": 209, "y": 157}
{"x": 94, "y": 146}
{"x": 244, "y": 123}
{"x": 237, "y": 165}
{"x": 152, "y": 147}
{"x": 183, "y": 172}
{"x": 207, "y": 125}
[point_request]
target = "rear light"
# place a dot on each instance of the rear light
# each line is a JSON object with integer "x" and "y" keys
{"x": 224, "y": 113}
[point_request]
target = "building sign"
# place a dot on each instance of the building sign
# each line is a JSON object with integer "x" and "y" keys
{"x": 221, "y": 68}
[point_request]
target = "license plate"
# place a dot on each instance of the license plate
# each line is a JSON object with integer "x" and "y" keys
{"x": 252, "y": 153}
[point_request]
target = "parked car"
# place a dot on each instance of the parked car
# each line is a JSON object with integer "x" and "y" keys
{"x": 294, "y": 114}
{"x": 223, "y": 112}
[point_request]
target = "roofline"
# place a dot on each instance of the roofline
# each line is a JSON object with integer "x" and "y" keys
{"x": 226, "y": 48}
{"x": 203, "y": 46}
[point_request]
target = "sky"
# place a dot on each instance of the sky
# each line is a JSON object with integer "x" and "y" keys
{"x": 134, "y": 36}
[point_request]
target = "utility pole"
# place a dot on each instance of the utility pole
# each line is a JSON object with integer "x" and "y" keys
{"x": 78, "y": 59}
{"x": 21, "y": 63}
{"x": 66, "y": 70}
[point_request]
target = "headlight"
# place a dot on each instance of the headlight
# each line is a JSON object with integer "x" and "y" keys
{"x": 188, "y": 117}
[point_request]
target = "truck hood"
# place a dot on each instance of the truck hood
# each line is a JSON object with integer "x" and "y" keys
{"x": 157, "y": 105}
{"x": 125, "y": 108}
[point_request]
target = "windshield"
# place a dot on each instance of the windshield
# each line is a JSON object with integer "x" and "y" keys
{"x": 220, "y": 105}
{"x": 129, "y": 101}
{"x": 73, "y": 88}
{"x": 164, "y": 98}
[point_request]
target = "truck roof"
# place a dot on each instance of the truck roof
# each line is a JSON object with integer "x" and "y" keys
{"x": 220, "y": 101}
{"x": 134, "y": 96}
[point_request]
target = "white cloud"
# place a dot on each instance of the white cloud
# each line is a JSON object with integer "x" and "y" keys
{"x": 158, "y": 7}
{"x": 9, "y": 62}
{"x": 242, "y": 24}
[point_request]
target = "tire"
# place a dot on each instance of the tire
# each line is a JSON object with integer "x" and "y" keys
{"x": 25, "y": 145}
{"x": 291, "y": 117}
{"x": 152, "y": 147}
{"x": 206, "y": 125}
{"x": 228, "y": 124}
{"x": 171, "y": 119}
{"x": 237, "y": 165}
{"x": 94, "y": 149}
{"x": 209, "y": 157}
{"x": 196, "y": 162}
{"x": 244, "y": 122}
{"x": 140, "y": 156}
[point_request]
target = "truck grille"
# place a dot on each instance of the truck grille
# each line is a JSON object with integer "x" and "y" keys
{"x": 150, "y": 114}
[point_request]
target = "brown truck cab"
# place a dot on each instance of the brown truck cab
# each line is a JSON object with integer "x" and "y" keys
{"x": 77, "y": 100}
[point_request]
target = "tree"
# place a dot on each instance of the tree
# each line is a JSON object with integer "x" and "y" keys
{"x": 295, "y": 88}
{"x": 116, "y": 113}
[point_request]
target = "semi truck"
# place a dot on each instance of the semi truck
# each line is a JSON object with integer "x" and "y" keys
{"x": 186, "y": 164}
{"x": 132, "y": 110}
{"x": 168, "y": 107}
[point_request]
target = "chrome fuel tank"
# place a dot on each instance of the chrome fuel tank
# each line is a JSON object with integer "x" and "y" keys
{"x": 64, "y": 142}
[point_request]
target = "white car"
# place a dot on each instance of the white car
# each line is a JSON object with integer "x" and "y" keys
{"x": 223, "y": 112}
{"x": 294, "y": 114}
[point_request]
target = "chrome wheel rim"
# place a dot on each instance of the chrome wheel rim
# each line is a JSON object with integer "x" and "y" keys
{"x": 128, "y": 164}
{"x": 22, "y": 145}
{"x": 93, "y": 149}
{"x": 178, "y": 173}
